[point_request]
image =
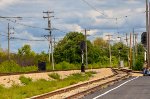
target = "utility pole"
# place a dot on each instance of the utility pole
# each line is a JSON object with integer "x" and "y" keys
{"x": 54, "y": 42}
{"x": 147, "y": 30}
{"x": 133, "y": 48}
{"x": 0, "y": 43}
{"x": 50, "y": 35}
{"x": 119, "y": 50}
{"x": 136, "y": 36}
{"x": 86, "y": 51}
{"x": 127, "y": 47}
{"x": 49, "y": 46}
{"x": 126, "y": 39}
{"x": 8, "y": 42}
{"x": 8, "y": 37}
{"x": 130, "y": 51}
{"x": 9, "y": 32}
{"x": 117, "y": 25}
{"x": 109, "y": 39}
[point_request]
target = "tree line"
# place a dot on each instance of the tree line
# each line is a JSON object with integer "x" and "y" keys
{"x": 68, "y": 50}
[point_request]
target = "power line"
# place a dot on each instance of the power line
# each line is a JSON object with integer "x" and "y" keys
{"x": 23, "y": 39}
{"x": 93, "y": 7}
{"x": 33, "y": 26}
{"x": 3, "y": 35}
{"x": 101, "y": 12}
{"x": 24, "y": 24}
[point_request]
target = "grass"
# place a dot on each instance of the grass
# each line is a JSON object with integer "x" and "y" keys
{"x": 41, "y": 86}
{"x": 25, "y": 80}
{"x": 54, "y": 76}
{"x": 11, "y": 66}
{"x": 63, "y": 66}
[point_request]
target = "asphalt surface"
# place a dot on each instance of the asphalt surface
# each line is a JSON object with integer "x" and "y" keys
{"x": 132, "y": 88}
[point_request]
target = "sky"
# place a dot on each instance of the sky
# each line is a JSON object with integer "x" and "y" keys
{"x": 101, "y": 17}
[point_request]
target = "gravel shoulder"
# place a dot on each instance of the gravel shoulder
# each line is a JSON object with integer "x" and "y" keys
{"x": 8, "y": 81}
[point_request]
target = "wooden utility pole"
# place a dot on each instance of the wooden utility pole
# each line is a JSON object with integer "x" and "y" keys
{"x": 136, "y": 36}
{"x": 126, "y": 39}
{"x": 49, "y": 46}
{"x": 130, "y": 51}
{"x": 109, "y": 39}
{"x": 8, "y": 37}
{"x": 147, "y": 30}
{"x": 8, "y": 42}
{"x": 49, "y": 37}
{"x": 9, "y": 32}
{"x": 133, "y": 48}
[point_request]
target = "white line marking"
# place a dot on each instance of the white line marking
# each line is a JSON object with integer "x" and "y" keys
{"x": 114, "y": 88}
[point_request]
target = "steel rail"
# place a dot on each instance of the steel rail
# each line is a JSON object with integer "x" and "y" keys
{"x": 96, "y": 88}
{"x": 63, "y": 90}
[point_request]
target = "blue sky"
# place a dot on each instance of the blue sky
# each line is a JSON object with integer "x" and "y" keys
{"x": 70, "y": 15}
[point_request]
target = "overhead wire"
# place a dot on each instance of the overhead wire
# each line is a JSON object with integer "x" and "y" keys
{"x": 93, "y": 7}
{"x": 23, "y": 24}
{"x": 17, "y": 38}
{"x": 26, "y": 39}
{"x": 101, "y": 12}
{"x": 8, "y": 19}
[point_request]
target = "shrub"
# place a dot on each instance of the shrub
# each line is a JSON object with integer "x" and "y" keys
{"x": 39, "y": 87}
{"x": 90, "y": 73}
{"x": 25, "y": 80}
{"x": 54, "y": 76}
{"x": 66, "y": 66}
{"x": 9, "y": 66}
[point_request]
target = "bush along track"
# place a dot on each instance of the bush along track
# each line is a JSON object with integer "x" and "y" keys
{"x": 32, "y": 88}
{"x": 79, "y": 90}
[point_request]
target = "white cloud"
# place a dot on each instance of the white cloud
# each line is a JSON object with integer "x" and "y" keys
{"x": 72, "y": 27}
{"x": 74, "y": 16}
{"x": 6, "y": 3}
{"x": 92, "y": 32}
{"x": 35, "y": 45}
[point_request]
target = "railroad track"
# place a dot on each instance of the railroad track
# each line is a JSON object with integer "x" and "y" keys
{"x": 20, "y": 73}
{"x": 47, "y": 71}
{"x": 79, "y": 90}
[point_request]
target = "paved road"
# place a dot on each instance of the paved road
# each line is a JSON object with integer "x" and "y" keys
{"x": 133, "y": 88}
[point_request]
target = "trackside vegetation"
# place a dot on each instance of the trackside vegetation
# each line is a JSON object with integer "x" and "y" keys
{"x": 31, "y": 88}
{"x": 67, "y": 55}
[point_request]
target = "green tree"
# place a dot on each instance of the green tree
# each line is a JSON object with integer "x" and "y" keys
{"x": 139, "y": 57}
{"x": 26, "y": 56}
{"x": 100, "y": 42}
{"x": 69, "y": 50}
{"x": 26, "y": 51}
{"x": 102, "y": 50}
{"x": 42, "y": 57}
{"x": 123, "y": 51}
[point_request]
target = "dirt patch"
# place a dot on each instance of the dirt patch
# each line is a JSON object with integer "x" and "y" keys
{"x": 8, "y": 81}
{"x": 137, "y": 74}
